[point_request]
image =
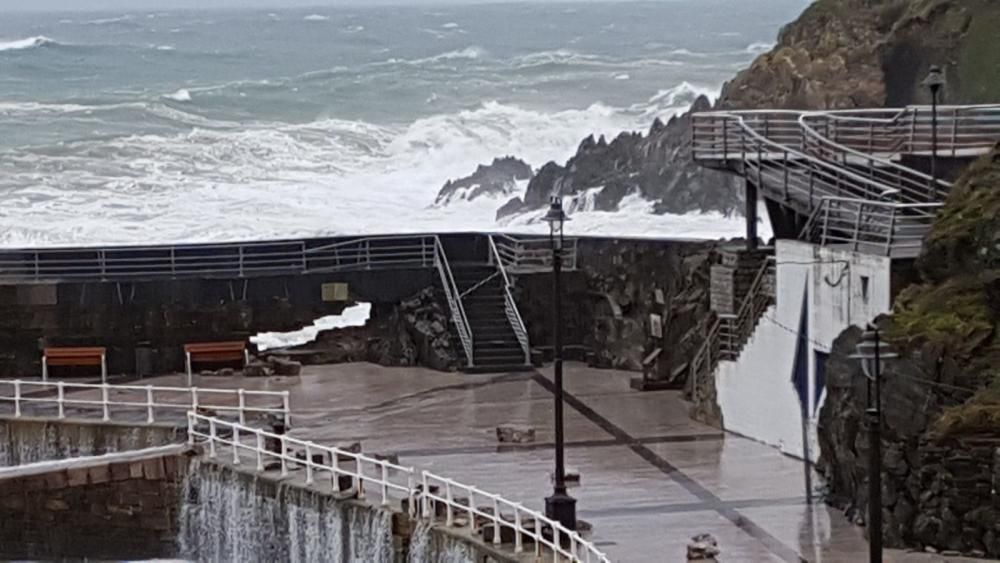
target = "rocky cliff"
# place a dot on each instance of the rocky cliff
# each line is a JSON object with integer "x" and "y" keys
{"x": 838, "y": 54}
{"x": 941, "y": 431}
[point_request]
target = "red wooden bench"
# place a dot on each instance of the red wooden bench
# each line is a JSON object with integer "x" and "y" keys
{"x": 215, "y": 352}
{"x": 75, "y": 356}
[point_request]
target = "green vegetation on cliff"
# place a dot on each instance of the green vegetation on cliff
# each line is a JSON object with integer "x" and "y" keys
{"x": 954, "y": 314}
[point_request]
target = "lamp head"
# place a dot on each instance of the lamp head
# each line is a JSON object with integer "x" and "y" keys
{"x": 872, "y": 363}
{"x": 935, "y": 79}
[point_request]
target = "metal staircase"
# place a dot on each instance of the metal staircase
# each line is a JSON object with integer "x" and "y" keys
{"x": 727, "y": 335}
{"x": 846, "y": 170}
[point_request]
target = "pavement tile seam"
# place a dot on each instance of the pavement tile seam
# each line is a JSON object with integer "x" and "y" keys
{"x": 773, "y": 544}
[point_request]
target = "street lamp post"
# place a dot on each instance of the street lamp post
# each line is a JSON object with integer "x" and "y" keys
{"x": 560, "y": 506}
{"x": 872, "y": 353}
{"x": 934, "y": 82}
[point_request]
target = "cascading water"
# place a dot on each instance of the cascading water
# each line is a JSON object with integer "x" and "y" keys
{"x": 31, "y": 441}
{"x": 429, "y": 547}
{"x": 231, "y": 516}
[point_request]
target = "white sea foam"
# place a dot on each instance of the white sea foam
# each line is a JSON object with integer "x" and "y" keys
{"x": 316, "y": 18}
{"x": 29, "y": 43}
{"x": 759, "y": 48}
{"x": 450, "y": 25}
{"x": 355, "y": 315}
{"x": 181, "y": 95}
{"x": 165, "y": 48}
{"x": 106, "y": 21}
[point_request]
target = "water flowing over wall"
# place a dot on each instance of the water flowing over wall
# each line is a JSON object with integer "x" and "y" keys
{"x": 231, "y": 516}
{"x": 431, "y": 545}
{"x": 27, "y": 440}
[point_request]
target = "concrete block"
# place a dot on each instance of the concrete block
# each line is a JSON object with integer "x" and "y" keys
{"x": 515, "y": 434}
{"x": 77, "y": 476}
{"x": 99, "y": 474}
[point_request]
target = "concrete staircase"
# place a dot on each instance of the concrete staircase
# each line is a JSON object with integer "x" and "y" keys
{"x": 496, "y": 347}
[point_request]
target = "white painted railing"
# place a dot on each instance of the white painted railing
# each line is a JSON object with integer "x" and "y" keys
{"x": 43, "y": 398}
{"x": 510, "y": 306}
{"x": 425, "y": 493}
{"x": 451, "y": 292}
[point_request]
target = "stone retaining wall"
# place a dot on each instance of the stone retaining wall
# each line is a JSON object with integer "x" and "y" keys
{"x": 110, "y": 510}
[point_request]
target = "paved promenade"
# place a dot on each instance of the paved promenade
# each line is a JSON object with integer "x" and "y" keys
{"x": 651, "y": 478}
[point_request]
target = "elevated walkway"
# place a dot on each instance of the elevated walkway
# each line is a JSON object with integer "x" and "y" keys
{"x": 846, "y": 175}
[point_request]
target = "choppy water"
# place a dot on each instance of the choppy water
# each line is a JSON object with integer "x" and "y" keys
{"x": 132, "y": 127}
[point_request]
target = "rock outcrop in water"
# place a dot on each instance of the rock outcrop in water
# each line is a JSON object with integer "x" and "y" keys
{"x": 941, "y": 410}
{"x": 838, "y": 54}
{"x": 496, "y": 179}
{"x": 656, "y": 166}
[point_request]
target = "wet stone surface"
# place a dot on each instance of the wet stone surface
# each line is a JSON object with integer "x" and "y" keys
{"x": 654, "y": 478}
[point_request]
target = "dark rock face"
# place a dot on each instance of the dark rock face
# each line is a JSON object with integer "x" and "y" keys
{"x": 415, "y": 332}
{"x": 609, "y": 304}
{"x": 839, "y": 54}
{"x": 496, "y": 179}
{"x": 941, "y": 399}
{"x": 657, "y": 166}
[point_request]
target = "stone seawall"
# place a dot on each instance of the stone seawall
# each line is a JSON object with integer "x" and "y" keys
{"x": 30, "y": 440}
{"x": 103, "y": 510}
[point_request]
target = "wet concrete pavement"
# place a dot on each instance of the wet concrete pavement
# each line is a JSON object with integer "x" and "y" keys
{"x": 651, "y": 477}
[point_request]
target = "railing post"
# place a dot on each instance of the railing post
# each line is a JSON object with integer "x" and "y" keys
{"x": 240, "y": 249}
{"x": 61, "y": 397}
{"x": 518, "y": 538}
{"x": 890, "y": 234}
{"x": 211, "y": 438}
{"x": 954, "y": 132}
{"x": 149, "y": 404}
{"x": 260, "y": 450}
{"x": 425, "y": 500}
{"x": 857, "y": 226}
{"x": 335, "y": 469}
{"x": 449, "y": 510}
{"x": 359, "y": 479}
{"x": 309, "y": 464}
{"x": 497, "y": 521}
{"x": 556, "y": 542}
{"x": 194, "y": 399}
{"x": 17, "y": 398}
{"x": 283, "y": 454}
{"x": 104, "y": 402}
{"x": 410, "y": 495}
{"x": 242, "y": 406}
{"x": 385, "y": 483}
{"x": 236, "y": 445}
{"x": 192, "y": 422}
{"x": 472, "y": 510}
{"x": 285, "y": 404}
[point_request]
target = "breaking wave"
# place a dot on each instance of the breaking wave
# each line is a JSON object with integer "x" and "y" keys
{"x": 29, "y": 43}
{"x": 218, "y": 180}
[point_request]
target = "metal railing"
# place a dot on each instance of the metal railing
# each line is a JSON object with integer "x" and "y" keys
{"x": 510, "y": 306}
{"x": 137, "y": 402}
{"x": 807, "y": 159}
{"x": 426, "y": 494}
{"x": 726, "y": 335}
{"x": 229, "y": 260}
{"x": 533, "y": 255}
{"x": 454, "y": 297}
{"x": 887, "y": 229}
{"x": 735, "y": 330}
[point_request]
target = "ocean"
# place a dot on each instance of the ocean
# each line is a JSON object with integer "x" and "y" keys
{"x": 230, "y": 125}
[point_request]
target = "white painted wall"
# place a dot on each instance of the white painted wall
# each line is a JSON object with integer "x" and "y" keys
{"x": 756, "y": 393}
